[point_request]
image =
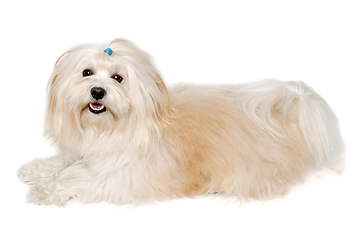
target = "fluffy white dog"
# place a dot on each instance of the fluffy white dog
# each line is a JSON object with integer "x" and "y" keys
{"x": 124, "y": 137}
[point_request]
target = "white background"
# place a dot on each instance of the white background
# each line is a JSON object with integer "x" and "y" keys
{"x": 197, "y": 42}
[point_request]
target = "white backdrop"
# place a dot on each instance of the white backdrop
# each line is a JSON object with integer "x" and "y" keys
{"x": 202, "y": 42}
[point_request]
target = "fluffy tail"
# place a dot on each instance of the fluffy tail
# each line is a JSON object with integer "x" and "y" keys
{"x": 317, "y": 121}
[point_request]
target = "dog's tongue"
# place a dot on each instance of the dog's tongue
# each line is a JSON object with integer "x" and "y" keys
{"x": 97, "y": 106}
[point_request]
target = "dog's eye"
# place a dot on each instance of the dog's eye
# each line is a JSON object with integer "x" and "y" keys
{"x": 87, "y": 72}
{"x": 118, "y": 78}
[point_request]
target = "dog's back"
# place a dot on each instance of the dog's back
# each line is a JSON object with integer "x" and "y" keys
{"x": 255, "y": 140}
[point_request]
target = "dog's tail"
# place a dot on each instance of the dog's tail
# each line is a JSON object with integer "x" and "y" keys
{"x": 269, "y": 102}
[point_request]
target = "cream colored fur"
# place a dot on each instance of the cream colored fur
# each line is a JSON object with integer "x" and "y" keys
{"x": 253, "y": 141}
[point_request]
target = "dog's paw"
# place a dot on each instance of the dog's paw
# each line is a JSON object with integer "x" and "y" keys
{"x": 28, "y": 173}
{"x": 40, "y": 196}
{"x": 46, "y": 195}
{"x": 38, "y": 171}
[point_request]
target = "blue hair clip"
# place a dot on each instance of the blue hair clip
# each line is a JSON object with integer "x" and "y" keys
{"x": 108, "y": 51}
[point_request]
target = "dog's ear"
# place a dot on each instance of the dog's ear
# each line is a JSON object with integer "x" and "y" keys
{"x": 147, "y": 87}
{"x": 54, "y": 110}
{"x": 163, "y": 111}
{"x": 149, "y": 92}
{"x": 58, "y": 67}
{"x": 62, "y": 57}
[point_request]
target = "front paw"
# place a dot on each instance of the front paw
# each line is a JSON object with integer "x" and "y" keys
{"x": 28, "y": 173}
{"x": 39, "y": 170}
{"x": 47, "y": 194}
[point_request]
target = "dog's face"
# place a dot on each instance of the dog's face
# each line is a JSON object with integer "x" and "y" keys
{"x": 94, "y": 85}
{"x": 92, "y": 93}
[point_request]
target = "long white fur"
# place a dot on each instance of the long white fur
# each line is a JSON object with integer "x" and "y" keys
{"x": 317, "y": 121}
{"x": 153, "y": 143}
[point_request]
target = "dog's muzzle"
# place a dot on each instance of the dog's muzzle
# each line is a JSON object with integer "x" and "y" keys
{"x": 96, "y": 107}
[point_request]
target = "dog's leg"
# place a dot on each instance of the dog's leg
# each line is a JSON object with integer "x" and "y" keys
{"x": 65, "y": 185}
{"x": 43, "y": 170}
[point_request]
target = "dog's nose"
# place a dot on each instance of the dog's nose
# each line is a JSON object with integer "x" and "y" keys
{"x": 98, "y": 93}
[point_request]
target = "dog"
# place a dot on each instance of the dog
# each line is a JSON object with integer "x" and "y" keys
{"x": 124, "y": 137}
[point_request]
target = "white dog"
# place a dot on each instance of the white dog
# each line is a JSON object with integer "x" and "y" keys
{"x": 124, "y": 137}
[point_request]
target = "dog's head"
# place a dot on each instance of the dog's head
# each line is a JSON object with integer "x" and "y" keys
{"x": 93, "y": 93}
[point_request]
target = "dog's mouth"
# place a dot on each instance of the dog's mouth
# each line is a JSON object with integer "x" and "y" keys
{"x": 97, "y": 108}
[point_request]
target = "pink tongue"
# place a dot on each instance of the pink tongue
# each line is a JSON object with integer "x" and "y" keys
{"x": 97, "y": 106}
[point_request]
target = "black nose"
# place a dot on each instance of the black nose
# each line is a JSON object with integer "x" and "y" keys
{"x": 98, "y": 93}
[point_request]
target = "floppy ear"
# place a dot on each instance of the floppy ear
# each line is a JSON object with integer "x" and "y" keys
{"x": 148, "y": 89}
{"x": 163, "y": 109}
{"x": 151, "y": 97}
{"x": 54, "y": 110}
{"x": 62, "y": 57}
{"x": 57, "y": 67}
